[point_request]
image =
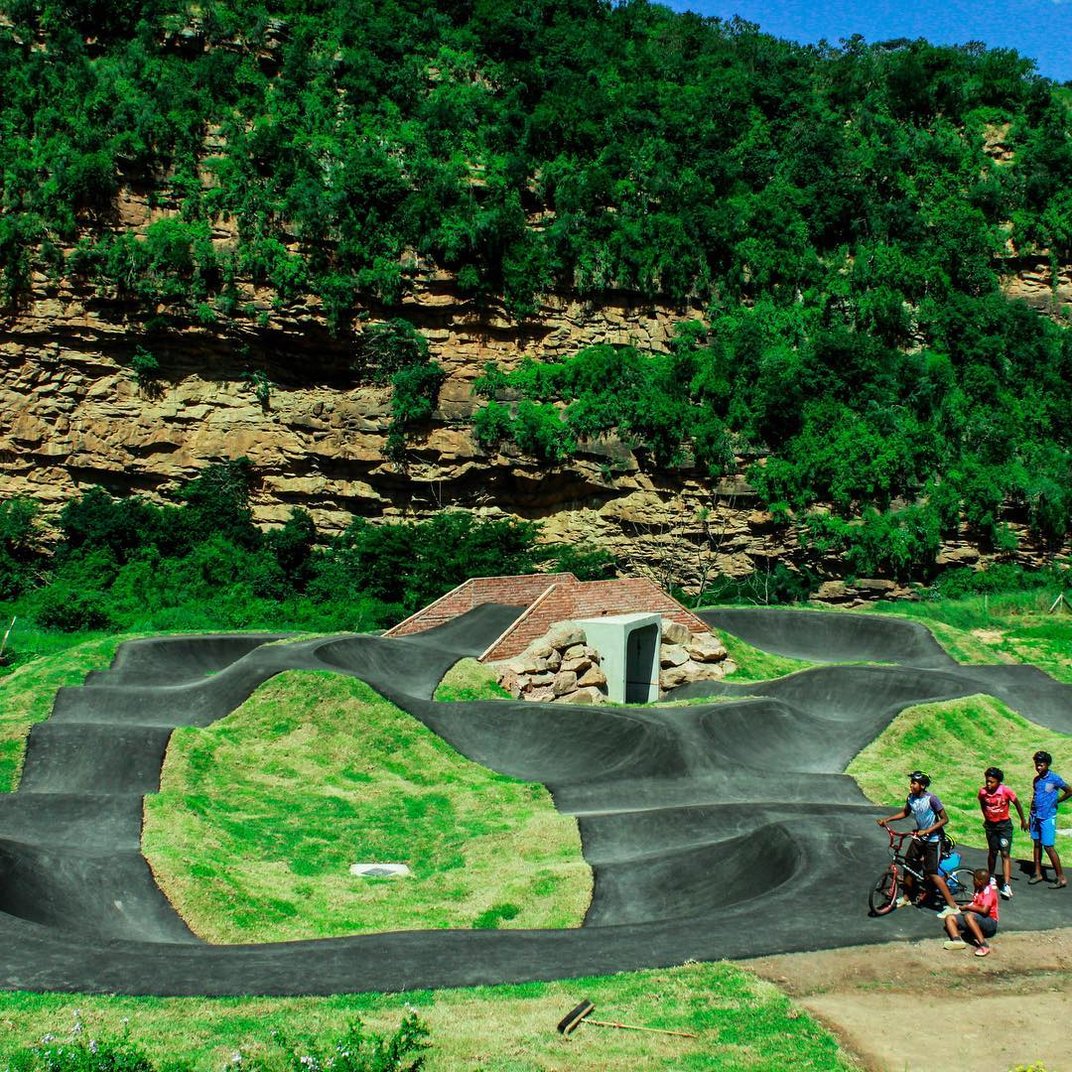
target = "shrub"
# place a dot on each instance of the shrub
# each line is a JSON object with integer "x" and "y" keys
{"x": 387, "y": 348}
{"x": 20, "y": 553}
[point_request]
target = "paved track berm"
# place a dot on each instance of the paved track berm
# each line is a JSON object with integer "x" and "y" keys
{"x": 721, "y": 830}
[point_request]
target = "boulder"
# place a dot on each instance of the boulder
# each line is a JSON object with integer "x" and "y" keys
{"x": 674, "y": 632}
{"x": 592, "y": 676}
{"x": 672, "y": 677}
{"x": 578, "y": 666}
{"x": 512, "y": 682}
{"x": 705, "y": 648}
{"x": 672, "y": 655}
{"x": 589, "y": 695}
{"x": 565, "y": 681}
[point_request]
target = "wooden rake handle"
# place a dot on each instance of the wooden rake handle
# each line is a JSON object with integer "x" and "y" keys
{"x": 637, "y": 1027}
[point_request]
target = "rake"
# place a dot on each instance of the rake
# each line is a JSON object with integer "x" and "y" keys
{"x": 581, "y": 1014}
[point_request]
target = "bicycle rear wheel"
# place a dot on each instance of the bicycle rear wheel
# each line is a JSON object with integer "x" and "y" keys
{"x": 961, "y": 885}
{"x": 883, "y": 895}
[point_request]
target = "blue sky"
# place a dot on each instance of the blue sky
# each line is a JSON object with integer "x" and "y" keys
{"x": 1040, "y": 29}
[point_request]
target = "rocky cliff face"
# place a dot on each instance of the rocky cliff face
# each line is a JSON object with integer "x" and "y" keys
{"x": 73, "y": 415}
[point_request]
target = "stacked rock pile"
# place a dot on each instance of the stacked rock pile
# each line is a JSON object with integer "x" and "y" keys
{"x": 561, "y": 667}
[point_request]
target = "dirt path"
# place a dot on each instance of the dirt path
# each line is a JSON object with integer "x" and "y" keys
{"x": 916, "y": 1007}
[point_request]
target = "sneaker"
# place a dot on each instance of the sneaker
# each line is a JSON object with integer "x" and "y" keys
{"x": 1006, "y": 892}
{"x": 955, "y": 943}
{"x": 983, "y": 951}
{"x": 949, "y": 910}
{"x": 902, "y": 902}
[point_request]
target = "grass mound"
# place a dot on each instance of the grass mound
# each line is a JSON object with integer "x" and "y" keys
{"x": 954, "y": 742}
{"x": 261, "y": 814}
{"x": 28, "y": 690}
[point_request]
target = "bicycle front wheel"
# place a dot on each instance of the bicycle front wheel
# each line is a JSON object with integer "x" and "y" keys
{"x": 884, "y": 892}
{"x": 961, "y": 885}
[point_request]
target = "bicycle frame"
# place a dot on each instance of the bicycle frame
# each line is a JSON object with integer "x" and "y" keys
{"x": 889, "y": 885}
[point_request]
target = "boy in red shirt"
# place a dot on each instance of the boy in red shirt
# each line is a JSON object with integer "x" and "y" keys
{"x": 978, "y": 920}
{"x": 994, "y": 800}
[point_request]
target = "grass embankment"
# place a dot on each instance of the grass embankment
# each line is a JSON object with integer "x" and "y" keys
{"x": 261, "y": 814}
{"x": 28, "y": 688}
{"x": 956, "y": 740}
{"x": 741, "y": 1023}
{"x": 755, "y": 665}
{"x": 1013, "y": 627}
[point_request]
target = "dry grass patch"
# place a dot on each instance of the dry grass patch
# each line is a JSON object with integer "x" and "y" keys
{"x": 260, "y": 816}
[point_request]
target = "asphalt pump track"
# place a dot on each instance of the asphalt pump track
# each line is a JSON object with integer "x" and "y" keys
{"x": 720, "y": 830}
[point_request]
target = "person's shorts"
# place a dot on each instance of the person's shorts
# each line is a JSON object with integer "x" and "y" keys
{"x": 999, "y": 836}
{"x": 1043, "y": 830}
{"x": 923, "y": 855}
{"x": 988, "y": 926}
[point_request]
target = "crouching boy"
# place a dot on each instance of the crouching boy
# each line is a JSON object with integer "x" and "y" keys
{"x": 978, "y": 921}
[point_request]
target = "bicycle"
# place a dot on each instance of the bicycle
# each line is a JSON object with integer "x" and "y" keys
{"x": 890, "y": 884}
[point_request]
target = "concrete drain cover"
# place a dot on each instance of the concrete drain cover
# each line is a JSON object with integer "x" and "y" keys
{"x": 379, "y": 870}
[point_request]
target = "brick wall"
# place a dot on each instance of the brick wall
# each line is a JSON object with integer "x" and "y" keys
{"x": 512, "y": 591}
{"x": 547, "y": 598}
{"x": 571, "y": 599}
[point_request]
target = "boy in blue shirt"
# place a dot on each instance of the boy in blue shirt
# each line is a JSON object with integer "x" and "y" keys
{"x": 1049, "y": 790}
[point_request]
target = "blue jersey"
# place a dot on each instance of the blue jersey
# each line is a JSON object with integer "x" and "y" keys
{"x": 924, "y": 809}
{"x": 1044, "y": 801}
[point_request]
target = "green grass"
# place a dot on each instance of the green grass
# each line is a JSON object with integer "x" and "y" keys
{"x": 742, "y": 1023}
{"x": 44, "y": 663}
{"x": 468, "y": 679}
{"x": 755, "y": 665}
{"x": 1017, "y": 627}
{"x": 261, "y": 814}
{"x": 954, "y": 742}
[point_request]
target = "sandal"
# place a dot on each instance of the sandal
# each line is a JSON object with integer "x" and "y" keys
{"x": 1035, "y": 879}
{"x": 1059, "y": 885}
{"x": 983, "y": 951}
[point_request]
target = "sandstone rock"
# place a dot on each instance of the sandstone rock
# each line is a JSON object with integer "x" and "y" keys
{"x": 564, "y": 681}
{"x": 958, "y": 556}
{"x": 673, "y": 676}
{"x": 592, "y": 676}
{"x": 672, "y": 655}
{"x": 833, "y": 592}
{"x": 544, "y": 694}
{"x": 577, "y": 666}
{"x": 554, "y": 660}
{"x": 705, "y": 648}
{"x": 565, "y": 636}
{"x": 674, "y": 632}
{"x": 512, "y": 682}
{"x": 583, "y": 696}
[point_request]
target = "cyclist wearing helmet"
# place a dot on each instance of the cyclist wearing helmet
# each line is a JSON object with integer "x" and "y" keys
{"x": 1049, "y": 790}
{"x": 924, "y": 852}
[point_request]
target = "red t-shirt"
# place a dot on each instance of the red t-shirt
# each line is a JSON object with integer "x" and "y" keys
{"x": 986, "y": 900}
{"x": 996, "y": 805}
